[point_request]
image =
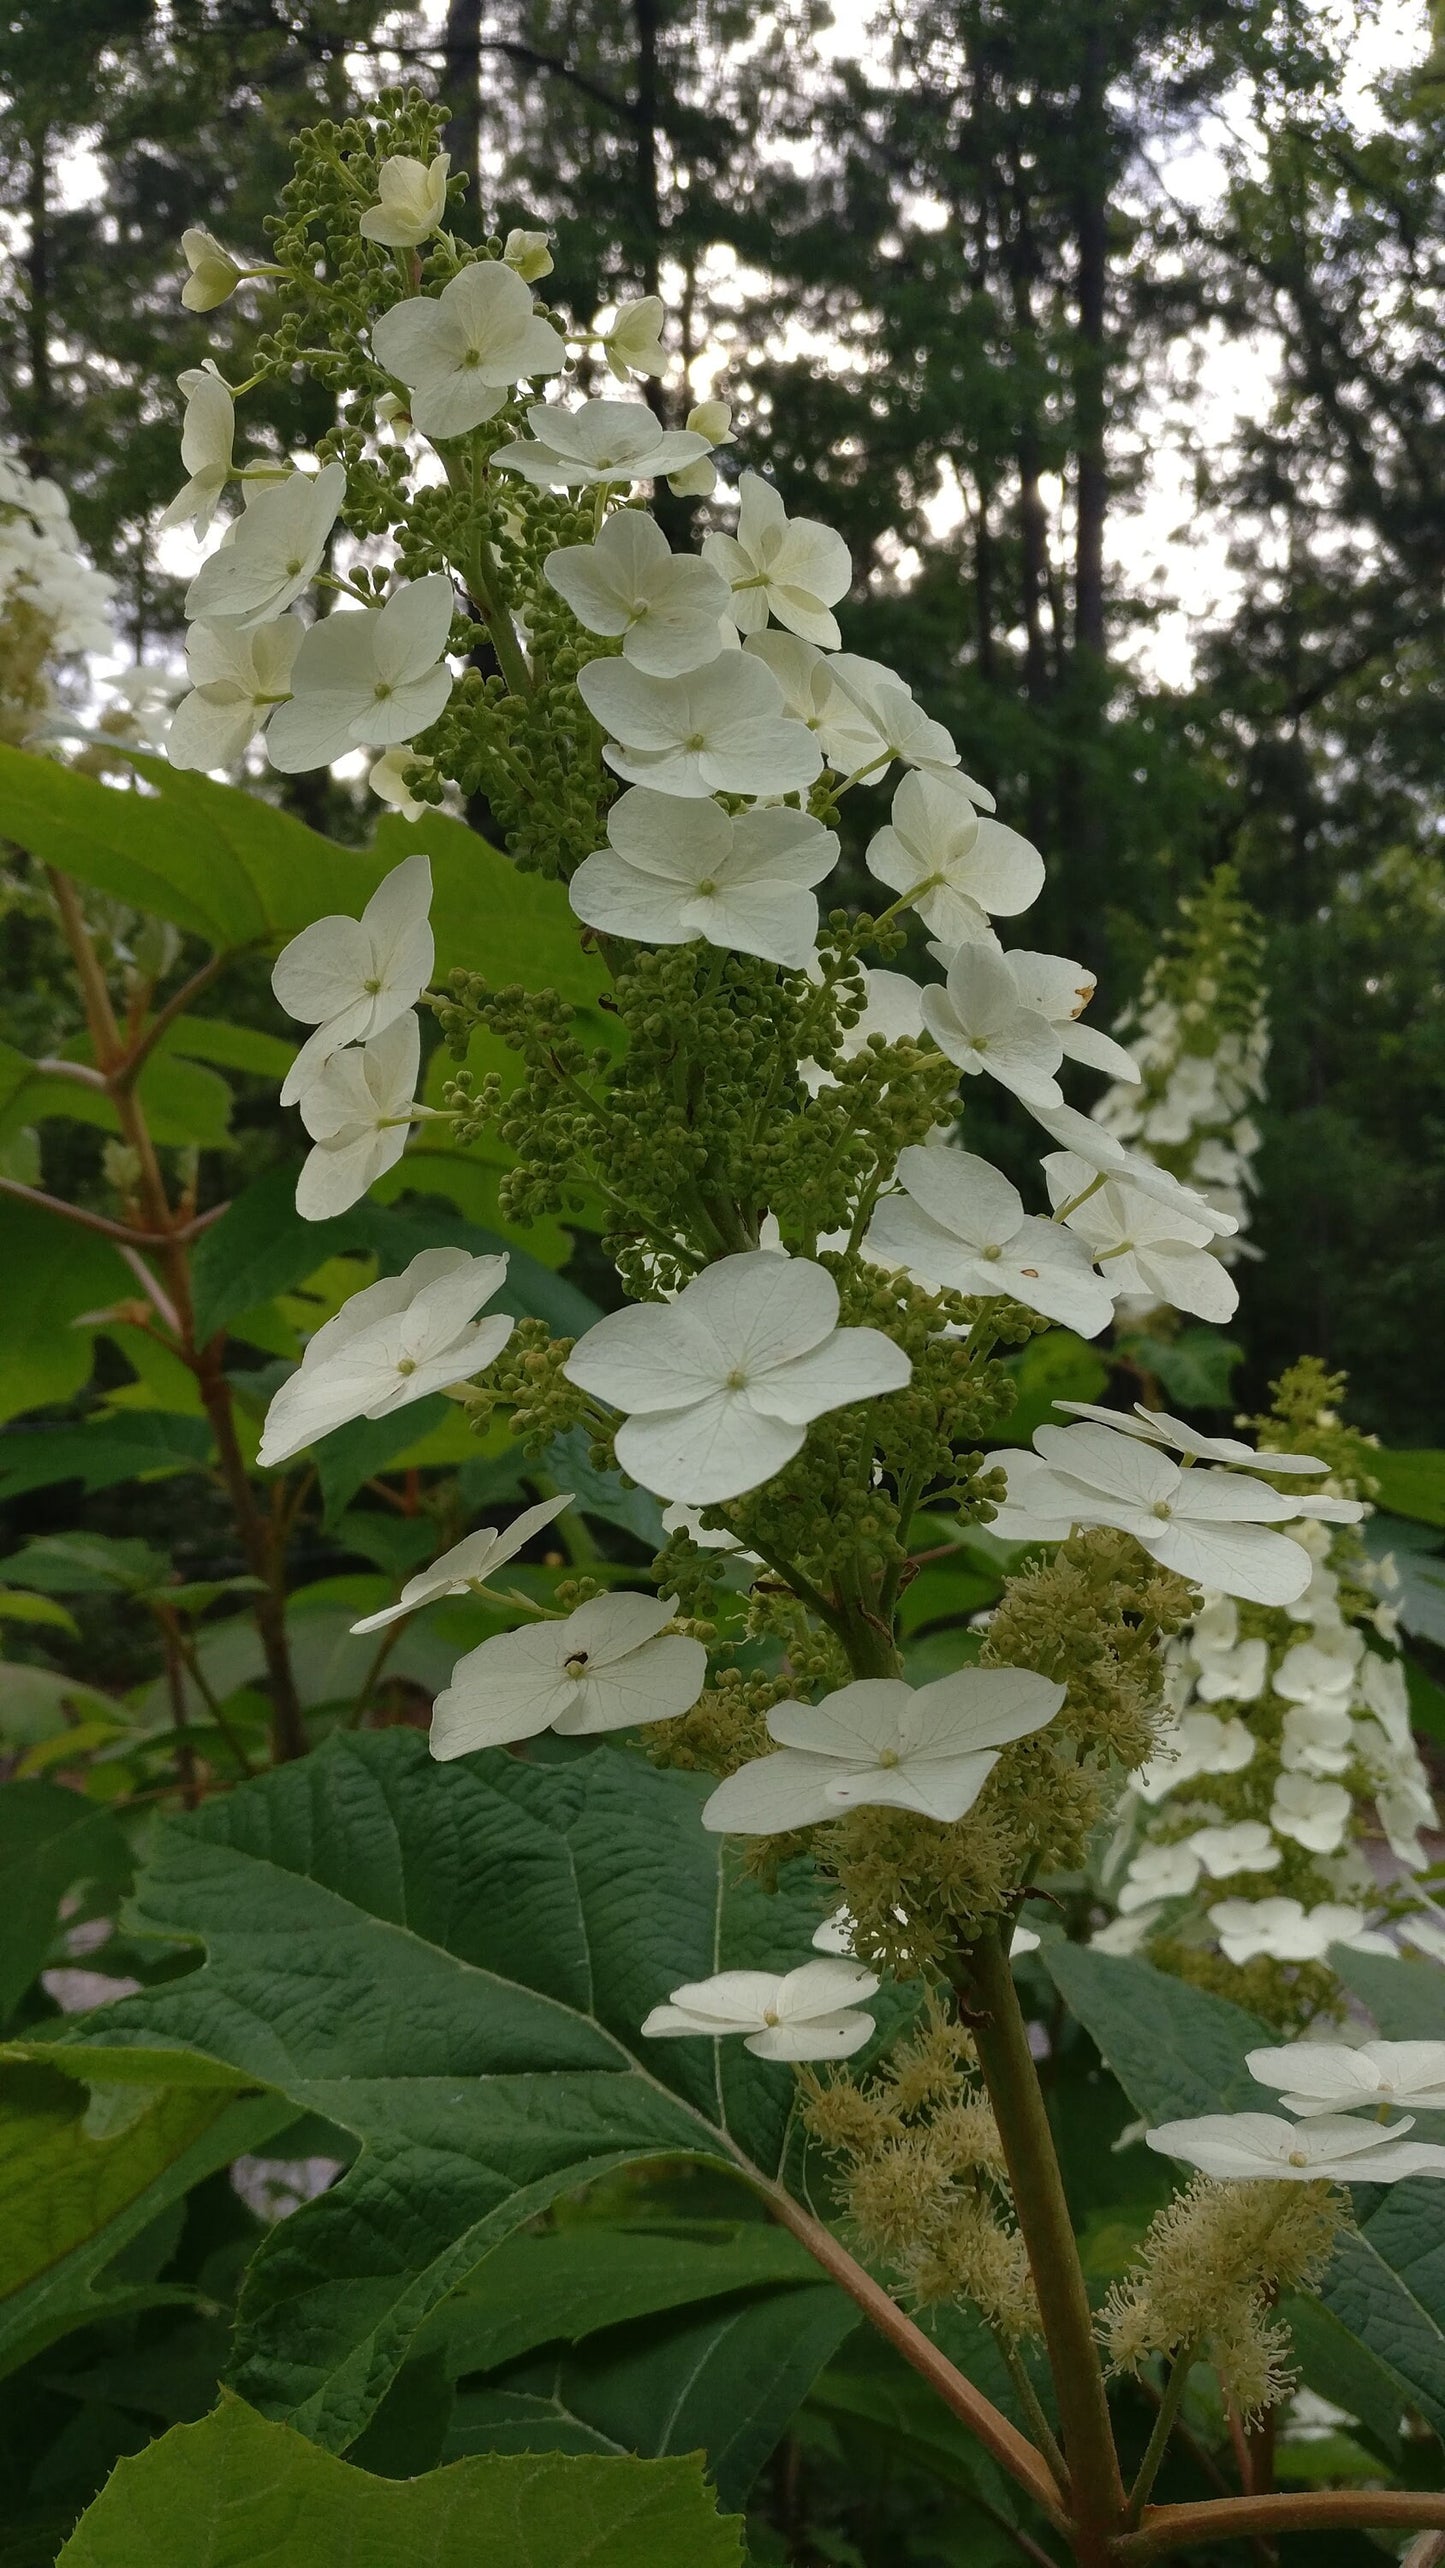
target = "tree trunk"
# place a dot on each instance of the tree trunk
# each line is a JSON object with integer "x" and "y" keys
{"x": 462, "y": 96}
{"x": 1090, "y": 370}
{"x": 38, "y": 411}
{"x": 647, "y": 18}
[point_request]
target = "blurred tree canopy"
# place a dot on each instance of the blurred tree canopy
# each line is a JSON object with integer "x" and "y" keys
{"x": 949, "y": 285}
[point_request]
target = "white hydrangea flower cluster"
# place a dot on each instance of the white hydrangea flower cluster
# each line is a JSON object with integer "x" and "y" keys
{"x": 1199, "y": 1040}
{"x": 53, "y": 604}
{"x": 1289, "y": 1757}
{"x": 735, "y": 722}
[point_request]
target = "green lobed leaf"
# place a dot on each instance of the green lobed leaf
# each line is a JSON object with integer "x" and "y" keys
{"x": 486, "y": 915}
{"x": 261, "y": 1247}
{"x": 79, "y": 2180}
{"x": 145, "y": 1443}
{"x": 1336, "y": 2365}
{"x": 724, "y": 2380}
{"x": 22, "y": 1605}
{"x": 1196, "y": 1368}
{"x": 356, "y": 1453}
{"x": 566, "y": 2284}
{"x": 236, "y": 2490}
{"x": 1059, "y": 1366}
{"x": 230, "y": 1047}
{"x": 1386, "y": 2284}
{"x": 1411, "y": 1484}
{"x": 1406, "y": 1998}
{"x": 870, "y": 2392}
{"x": 40, "y": 1702}
{"x": 215, "y": 860}
{"x": 86, "y": 1564}
{"x": 1175, "y": 2050}
{"x": 227, "y": 865}
{"x": 50, "y": 1839}
{"x": 50, "y": 1272}
{"x": 452, "y": 1963}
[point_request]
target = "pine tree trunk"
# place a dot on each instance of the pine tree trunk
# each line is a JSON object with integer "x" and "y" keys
{"x": 39, "y": 419}
{"x": 1090, "y": 373}
{"x": 462, "y": 94}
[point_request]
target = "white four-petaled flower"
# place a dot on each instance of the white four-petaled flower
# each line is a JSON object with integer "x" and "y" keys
{"x": 1246, "y": 2146}
{"x": 1312, "y": 2078}
{"x": 350, "y": 977}
{"x": 237, "y": 681}
{"x": 610, "y": 1664}
{"x": 1158, "y": 1872}
{"x": 1315, "y": 1814}
{"x": 719, "y": 1387}
{"x": 1229, "y": 1670}
{"x": 1209, "y": 1526}
{"x": 1155, "y": 1426}
{"x": 1286, "y": 1931}
{"x": 977, "y": 1018}
{"x": 1105, "y": 1156}
{"x": 208, "y": 434}
{"x": 1244, "y": 1846}
{"x": 976, "y": 868}
{"x": 792, "y": 567}
{"x": 368, "y": 680}
{"x": 272, "y": 551}
{"x": 599, "y": 441}
{"x": 807, "y": 2014}
{"x": 874, "y": 719}
{"x": 528, "y": 253}
{"x": 666, "y": 606}
{"x": 721, "y": 729}
{"x": 959, "y": 1224}
{"x": 411, "y": 200}
{"x": 877, "y": 1744}
{"x": 214, "y": 274}
{"x": 468, "y": 1565}
{"x": 632, "y": 341}
{"x": 1060, "y": 990}
{"x": 1146, "y": 1247}
{"x": 460, "y": 352}
{"x": 396, "y": 1341}
{"x": 1198, "y": 1743}
{"x": 357, "y": 1109}
{"x": 678, "y": 871}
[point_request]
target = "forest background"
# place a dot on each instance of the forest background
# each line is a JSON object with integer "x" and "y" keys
{"x": 950, "y": 278}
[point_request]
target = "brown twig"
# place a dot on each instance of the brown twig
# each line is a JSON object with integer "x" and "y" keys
{"x": 1167, "y": 2529}
{"x": 168, "y": 1238}
{"x": 180, "y": 1709}
{"x": 124, "y": 1234}
{"x": 126, "y": 1072}
{"x": 1001, "y": 2440}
